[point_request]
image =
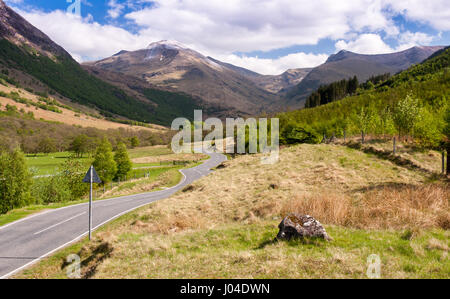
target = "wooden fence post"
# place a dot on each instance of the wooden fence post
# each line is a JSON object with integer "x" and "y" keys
{"x": 448, "y": 160}
{"x": 362, "y": 137}
{"x": 443, "y": 162}
{"x": 395, "y": 145}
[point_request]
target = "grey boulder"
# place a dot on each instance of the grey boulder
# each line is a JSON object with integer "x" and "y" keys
{"x": 300, "y": 226}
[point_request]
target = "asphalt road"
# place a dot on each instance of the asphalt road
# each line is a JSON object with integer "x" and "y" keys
{"x": 26, "y": 241}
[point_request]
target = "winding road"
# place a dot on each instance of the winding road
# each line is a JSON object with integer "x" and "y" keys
{"x": 26, "y": 241}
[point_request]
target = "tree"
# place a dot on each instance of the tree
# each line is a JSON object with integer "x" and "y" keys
{"x": 80, "y": 145}
{"x": 447, "y": 137}
{"x": 428, "y": 128}
{"x": 123, "y": 162}
{"x": 364, "y": 120}
{"x": 406, "y": 115}
{"x": 72, "y": 173}
{"x": 134, "y": 142}
{"x": 15, "y": 181}
{"x": 353, "y": 85}
{"x": 47, "y": 145}
{"x": 104, "y": 161}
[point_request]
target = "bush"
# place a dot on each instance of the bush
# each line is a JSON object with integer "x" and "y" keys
{"x": 51, "y": 190}
{"x": 15, "y": 181}
{"x": 298, "y": 134}
{"x": 104, "y": 162}
{"x": 123, "y": 162}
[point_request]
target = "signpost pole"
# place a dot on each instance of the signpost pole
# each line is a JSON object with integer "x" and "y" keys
{"x": 90, "y": 202}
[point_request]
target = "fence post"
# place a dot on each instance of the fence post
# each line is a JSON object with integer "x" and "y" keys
{"x": 443, "y": 162}
{"x": 362, "y": 137}
{"x": 448, "y": 161}
{"x": 395, "y": 145}
{"x": 345, "y": 135}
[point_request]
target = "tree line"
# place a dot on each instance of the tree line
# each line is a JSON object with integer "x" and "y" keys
{"x": 21, "y": 130}
{"x": 340, "y": 89}
{"x": 19, "y": 189}
{"x": 413, "y": 105}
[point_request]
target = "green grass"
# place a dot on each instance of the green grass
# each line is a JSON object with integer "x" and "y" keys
{"x": 247, "y": 251}
{"x": 48, "y": 164}
{"x": 174, "y": 177}
{"x": 149, "y": 152}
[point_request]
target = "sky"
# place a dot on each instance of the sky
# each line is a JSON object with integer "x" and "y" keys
{"x": 266, "y": 36}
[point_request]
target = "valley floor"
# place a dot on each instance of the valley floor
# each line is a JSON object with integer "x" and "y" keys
{"x": 223, "y": 226}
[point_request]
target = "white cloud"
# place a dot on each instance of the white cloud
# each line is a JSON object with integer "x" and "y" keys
{"x": 220, "y": 28}
{"x": 236, "y": 25}
{"x": 365, "y": 44}
{"x": 373, "y": 43}
{"x": 115, "y": 9}
{"x": 85, "y": 40}
{"x": 436, "y": 13}
{"x": 267, "y": 66}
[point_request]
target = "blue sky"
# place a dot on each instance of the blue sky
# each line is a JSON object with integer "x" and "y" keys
{"x": 267, "y": 36}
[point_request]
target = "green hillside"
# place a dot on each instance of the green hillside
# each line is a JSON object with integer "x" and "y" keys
{"x": 65, "y": 76}
{"x": 425, "y": 88}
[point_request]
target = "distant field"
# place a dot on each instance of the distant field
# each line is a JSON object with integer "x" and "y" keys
{"x": 48, "y": 164}
{"x": 159, "y": 176}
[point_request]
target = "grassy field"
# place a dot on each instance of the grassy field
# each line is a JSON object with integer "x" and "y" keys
{"x": 48, "y": 164}
{"x": 223, "y": 225}
{"x": 149, "y": 178}
{"x": 142, "y": 157}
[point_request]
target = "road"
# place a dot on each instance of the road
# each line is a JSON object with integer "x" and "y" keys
{"x": 26, "y": 241}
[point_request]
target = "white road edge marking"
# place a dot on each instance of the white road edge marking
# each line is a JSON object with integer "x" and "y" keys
{"x": 59, "y": 223}
{"x": 82, "y": 235}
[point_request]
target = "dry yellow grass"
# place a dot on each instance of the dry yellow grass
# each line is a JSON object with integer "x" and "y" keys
{"x": 222, "y": 225}
{"x": 67, "y": 116}
{"x": 332, "y": 183}
{"x": 170, "y": 157}
{"x": 394, "y": 207}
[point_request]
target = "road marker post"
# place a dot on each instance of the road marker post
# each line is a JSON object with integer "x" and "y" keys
{"x": 91, "y": 178}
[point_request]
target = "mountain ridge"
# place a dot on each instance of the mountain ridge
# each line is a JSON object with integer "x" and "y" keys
{"x": 346, "y": 64}
{"x": 171, "y": 65}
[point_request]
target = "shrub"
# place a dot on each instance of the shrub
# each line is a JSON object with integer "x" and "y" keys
{"x": 104, "y": 161}
{"x": 15, "y": 181}
{"x": 298, "y": 134}
{"x": 123, "y": 162}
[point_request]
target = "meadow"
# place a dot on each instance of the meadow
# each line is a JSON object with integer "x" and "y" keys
{"x": 224, "y": 225}
{"x": 144, "y": 177}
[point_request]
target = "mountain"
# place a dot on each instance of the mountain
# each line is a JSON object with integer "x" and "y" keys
{"x": 33, "y": 60}
{"x": 18, "y": 31}
{"x": 345, "y": 64}
{"x": 270, "y": 83}
{"x": 427, "y": 83}
{"x": 227, "y": 90}
{"x": 280, "y": 83}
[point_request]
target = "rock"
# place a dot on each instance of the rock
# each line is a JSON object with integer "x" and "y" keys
{"x": 300, "y": 226}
